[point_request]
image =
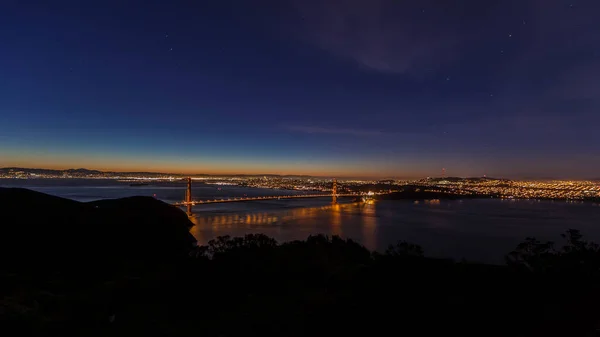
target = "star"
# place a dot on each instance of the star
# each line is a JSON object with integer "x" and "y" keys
{"x": 447, "y": 78}
{"x": 171, "y": 49}
{"x": 509, "y": 35}
{"x": 166, "y": 36}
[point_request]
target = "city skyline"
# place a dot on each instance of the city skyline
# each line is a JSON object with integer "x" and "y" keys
{"x": 380, "y": 88}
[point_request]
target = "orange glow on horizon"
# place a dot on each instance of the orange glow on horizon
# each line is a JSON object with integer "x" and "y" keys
{"x": 57, "y": 162}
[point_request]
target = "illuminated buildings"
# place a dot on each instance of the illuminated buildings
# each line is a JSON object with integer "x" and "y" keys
{"x": 482, "y": 187}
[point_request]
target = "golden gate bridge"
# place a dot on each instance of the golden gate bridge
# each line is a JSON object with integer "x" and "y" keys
{"x": 189, "y": 202}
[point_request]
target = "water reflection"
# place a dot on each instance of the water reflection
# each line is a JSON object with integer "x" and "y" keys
{"x": 369, "y": 222}
{"x": 291, "y": 224}
{"x": 253, "y": 219}
{"x": 478, "y": 230}
{"x": 336, "y": 219}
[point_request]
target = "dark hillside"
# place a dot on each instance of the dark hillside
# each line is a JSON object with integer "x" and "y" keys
{"x": 46, "y": 227}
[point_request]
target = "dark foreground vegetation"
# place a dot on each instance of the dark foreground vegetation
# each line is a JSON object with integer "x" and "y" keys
{"x": 127, "y": 268}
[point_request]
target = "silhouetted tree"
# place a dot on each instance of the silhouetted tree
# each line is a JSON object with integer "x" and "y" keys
{"x": 577, "y": 255}
{"x": 404, "y": 249}
{"x": 226, "y": 244}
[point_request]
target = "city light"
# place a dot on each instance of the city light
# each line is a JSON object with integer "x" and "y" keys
{"x": 473, "y": 187}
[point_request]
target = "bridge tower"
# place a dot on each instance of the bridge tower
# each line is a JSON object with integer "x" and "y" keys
{"x": 334, "y": 192}
{"x": 188, "y": 191}
{"x": 188, "y": 196}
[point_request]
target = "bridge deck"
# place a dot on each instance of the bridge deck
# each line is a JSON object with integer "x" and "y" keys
{"x": 301, "y": 196}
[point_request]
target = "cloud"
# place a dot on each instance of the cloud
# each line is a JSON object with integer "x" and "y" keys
{"x": 384, "y": 35}
{"x": 335, "y": 131}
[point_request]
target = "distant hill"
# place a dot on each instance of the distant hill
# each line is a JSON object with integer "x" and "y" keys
{"x": 34, "y": 224}
{"x": 82, "y": 173}
{"x": 73, "y": 172}
{"x": 459, "y": 179}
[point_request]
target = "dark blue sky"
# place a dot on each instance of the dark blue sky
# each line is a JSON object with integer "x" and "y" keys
{"x": 345, "y": 88}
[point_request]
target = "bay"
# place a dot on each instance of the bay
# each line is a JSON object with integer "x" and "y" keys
{"x": 477, "y": 230}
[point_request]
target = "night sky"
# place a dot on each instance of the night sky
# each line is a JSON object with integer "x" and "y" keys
{"x": 337, "y": 88}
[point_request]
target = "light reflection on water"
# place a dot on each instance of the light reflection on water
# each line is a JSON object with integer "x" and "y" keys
{"x": 478, "y": 230}
{"x": 287, "y": 224}
{"x": 369, "y": 226}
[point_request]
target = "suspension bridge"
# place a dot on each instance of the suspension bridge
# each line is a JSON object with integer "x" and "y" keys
{"x": 274, "y": 197}
{"x": 190, "y": 202}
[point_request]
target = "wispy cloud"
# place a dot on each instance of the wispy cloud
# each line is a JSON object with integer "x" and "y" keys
{"x": 337, "y": 131}
{"x": 382, "y": 35}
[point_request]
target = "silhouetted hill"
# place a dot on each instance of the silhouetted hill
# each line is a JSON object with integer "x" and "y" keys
{"x": 86, "y": 173}
{"x": 461, "y": 179}
{"x": 82, "y": 171}
{"x": 37, "y": 224}
{"x": 79, "y": 171}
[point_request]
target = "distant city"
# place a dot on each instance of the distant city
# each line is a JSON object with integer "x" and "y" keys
{"x": 440, "y": 186}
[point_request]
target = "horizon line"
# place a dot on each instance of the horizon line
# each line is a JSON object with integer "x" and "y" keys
{"x": 291, "y": 175}
{"x": 196, "y": 174}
